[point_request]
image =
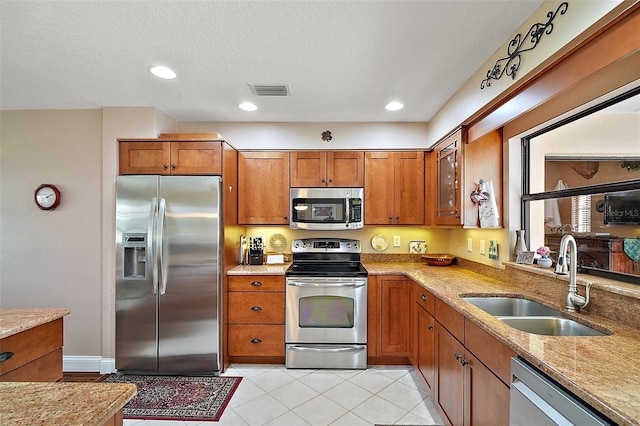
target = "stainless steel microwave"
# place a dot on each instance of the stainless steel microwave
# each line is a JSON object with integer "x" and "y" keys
{"x": 326, "y": 209}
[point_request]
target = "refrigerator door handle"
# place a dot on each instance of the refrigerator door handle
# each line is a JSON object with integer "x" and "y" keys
{"x": 161, "y": 267}
{"x": 151, "y": 265}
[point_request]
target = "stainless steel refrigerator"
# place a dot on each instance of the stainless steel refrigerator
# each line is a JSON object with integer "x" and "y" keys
{"x": 168, "y": 274}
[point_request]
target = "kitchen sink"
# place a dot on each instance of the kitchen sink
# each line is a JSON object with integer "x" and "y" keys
{"x": 551, "y": 326}
{"x": 511, "y": 306}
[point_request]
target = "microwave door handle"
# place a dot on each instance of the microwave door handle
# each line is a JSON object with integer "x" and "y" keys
{"x": 347, "y": 210}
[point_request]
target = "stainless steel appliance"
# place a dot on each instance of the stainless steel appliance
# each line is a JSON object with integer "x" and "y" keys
{"x": 168, "y": 274}
{"x": 326, "y": 209}
{"x": 326, "y": 305}
{"x": 537, "y": 400}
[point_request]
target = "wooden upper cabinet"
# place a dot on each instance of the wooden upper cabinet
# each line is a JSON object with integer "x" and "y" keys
{"x": 449, "y": 166}
{"x": 162, "y": 157}
{"x": 263, "y": 188}
{"x": 311, "y": 169}
{"x": 394, "y": 188}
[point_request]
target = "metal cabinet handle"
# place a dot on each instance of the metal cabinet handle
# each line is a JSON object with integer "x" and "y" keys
{"x": 423, "y": 297}
{"x": 256, "y": 283}
{"x": 165, "y": 166}
{"x": 390, "y": 217}
{"x": 323, "y": 180}
{"x": 173, "y": 165}
{"x": 330, "y": 180}
{"x": 256, "y": 340}
{"x": 397, "y": 217}
{"x": 4, "y": 356}
{"x": 459, "y": 357}
{"x": 286, "y": 217}
{"x": 430, "y": 326}
{"x": 256, "y": 308}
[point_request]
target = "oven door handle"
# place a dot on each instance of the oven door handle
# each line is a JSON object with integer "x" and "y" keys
{"x": 326, "y": 284}
{"x": 334, "y": 349}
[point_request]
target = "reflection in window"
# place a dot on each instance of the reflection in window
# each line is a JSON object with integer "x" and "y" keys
{"x": 581, "y": 213}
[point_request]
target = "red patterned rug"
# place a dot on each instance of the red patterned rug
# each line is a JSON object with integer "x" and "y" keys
{"x": 177, "y": 397}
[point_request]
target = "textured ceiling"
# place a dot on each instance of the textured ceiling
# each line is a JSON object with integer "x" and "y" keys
{"x": 342, "y": 60}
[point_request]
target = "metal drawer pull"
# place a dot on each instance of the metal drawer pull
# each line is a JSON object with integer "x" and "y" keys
{"x": 256, "y": 283}
{"x": 328, "y": 349}
{"x": 430, "y": 326}
{"x": 256, "y": 308}
{"x": 423, "y": 297}
{"x": 256, "y": 340}
{"x": 463, "y": 362}
{"x": 4, "y": 356}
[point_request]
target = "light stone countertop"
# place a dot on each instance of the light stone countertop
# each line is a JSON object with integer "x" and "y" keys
{"x": 603, "y": 371}
{"x": 63, "y": 404}
{"x": 14, "y": 321}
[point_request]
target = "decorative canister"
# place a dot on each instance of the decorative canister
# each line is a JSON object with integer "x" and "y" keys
{"x": 545, "y": 262}
{"x": 521, "y": 245}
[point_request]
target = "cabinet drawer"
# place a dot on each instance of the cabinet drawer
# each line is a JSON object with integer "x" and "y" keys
{"x": 31, "y": 344}
{"x": 256, "y": 307}
{"x": 492, "y": 353}
{"x": 256, "y": 283}
{"x": 424, "y": 298}
{"x": 256, "y": 340}
{"x": 450, "y": 319}
{"x": 47, "y": 368}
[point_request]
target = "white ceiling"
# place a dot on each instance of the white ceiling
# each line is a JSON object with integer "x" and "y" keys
{"x": 343, "y": 60}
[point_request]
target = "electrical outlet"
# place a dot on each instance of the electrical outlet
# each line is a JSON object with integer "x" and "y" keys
{"x": 396, "y": 240}
{"x": 482, "y": 247}
{"x": 469, "y": 245}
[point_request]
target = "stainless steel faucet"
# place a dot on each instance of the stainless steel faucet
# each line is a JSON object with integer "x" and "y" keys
{"x": 569, "y": 265}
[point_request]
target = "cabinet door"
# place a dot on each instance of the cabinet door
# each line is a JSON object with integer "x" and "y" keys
{"x": 426, "y": 346}
{"x": 345, "y": 169}
{"x": 449, "y": 393}
{"x": 144, "y": 158}
{"x": 448, "y": 157}
{"x": 308, "y": 169}
{"x": 486, "y": 398}
{"x": 263, "y": 188}
{"x": 409, "y": 188}
{"x": 379, "y": 187}
{"x": 196, "y": 158}
{"x": 395, "y": 297}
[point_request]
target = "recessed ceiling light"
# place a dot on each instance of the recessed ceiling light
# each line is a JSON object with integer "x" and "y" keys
{"x": 163, "y": 72}
{"x": 394, "y": 106}
{"x": 247, "y": 106}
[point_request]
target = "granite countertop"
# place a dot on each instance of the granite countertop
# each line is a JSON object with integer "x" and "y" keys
{"x": 29, "y": 403}
{"x": 13, "y": 321}
{"x": 600, "y": 370}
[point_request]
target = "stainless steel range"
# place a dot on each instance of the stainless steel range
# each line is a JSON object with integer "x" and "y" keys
{"x": 326, "y": 305}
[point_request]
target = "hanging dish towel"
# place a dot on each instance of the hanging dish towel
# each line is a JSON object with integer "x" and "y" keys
{"x": 551, "y": 210}
{"x": 632, "y": 249}
{"x": 488, "y": 209}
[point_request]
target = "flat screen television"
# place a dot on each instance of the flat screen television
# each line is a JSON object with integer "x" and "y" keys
{"x": 622, "y": 208}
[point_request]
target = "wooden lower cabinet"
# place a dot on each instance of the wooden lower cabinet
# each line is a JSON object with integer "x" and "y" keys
{"x": 465, "y": 368}
{"x": 395, "y": 296}
{"x": 37, "y": 354}
{"x": 255, "y": 318}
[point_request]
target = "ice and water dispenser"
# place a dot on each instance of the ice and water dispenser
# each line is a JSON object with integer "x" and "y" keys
{"x": 135, "y": 255}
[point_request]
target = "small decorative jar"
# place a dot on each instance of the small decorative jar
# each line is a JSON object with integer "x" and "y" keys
{"x": 545, "y": 262}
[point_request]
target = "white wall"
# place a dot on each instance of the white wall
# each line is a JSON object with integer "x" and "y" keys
{"x": 53, "y": 258}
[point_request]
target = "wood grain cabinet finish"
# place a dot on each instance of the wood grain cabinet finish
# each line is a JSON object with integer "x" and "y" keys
{"x": 37, "y": 354}
{"x": 395, "y": 297}
{"x": 472, "y": 373}
{"x": 255, "y": 316}
{"x": 448, "y": 157}
{"x": 314, "y": 169}
{"x": 161, "y": 157}
{"x": 394, "y": 188}
{"x": 263, "y": 185}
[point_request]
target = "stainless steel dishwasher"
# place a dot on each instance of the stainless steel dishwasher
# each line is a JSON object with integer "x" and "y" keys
{"x": 538, "y": 401}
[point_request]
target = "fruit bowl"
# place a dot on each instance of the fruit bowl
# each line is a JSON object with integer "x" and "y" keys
{"x": 439, "y": 259}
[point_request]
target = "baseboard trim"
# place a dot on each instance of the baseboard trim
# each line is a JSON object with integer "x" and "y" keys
{"x": 88, "y": 364}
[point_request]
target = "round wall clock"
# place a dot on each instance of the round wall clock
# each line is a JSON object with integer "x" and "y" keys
{"x": 47, "y": 196}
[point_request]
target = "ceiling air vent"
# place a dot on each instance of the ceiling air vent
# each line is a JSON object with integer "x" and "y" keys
{"x": 270, "y": 89}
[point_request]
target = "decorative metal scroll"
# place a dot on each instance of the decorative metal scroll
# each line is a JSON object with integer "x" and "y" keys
{"x": 511, "y": 63}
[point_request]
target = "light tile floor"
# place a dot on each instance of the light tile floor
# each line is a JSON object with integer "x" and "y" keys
{"x": 275, "y": 396}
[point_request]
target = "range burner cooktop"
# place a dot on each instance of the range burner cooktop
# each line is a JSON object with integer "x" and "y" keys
{"x": 326, "y": 257}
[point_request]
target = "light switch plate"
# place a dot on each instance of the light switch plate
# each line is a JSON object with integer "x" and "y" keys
{"x": 396, "y": 240}
{"x": 469, "y": 245}
{"x": 482, "y": 247}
